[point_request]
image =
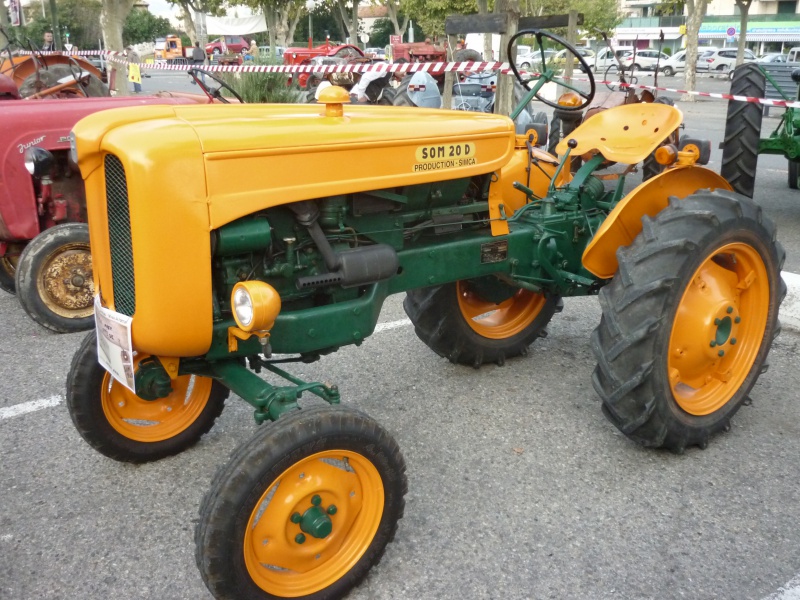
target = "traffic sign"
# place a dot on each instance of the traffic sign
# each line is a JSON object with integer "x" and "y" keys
{"x": 731, "y": 31}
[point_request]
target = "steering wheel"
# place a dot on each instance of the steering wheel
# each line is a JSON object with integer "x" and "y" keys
{"x": 212, "y": 92}
{"x": 548, "y": 75}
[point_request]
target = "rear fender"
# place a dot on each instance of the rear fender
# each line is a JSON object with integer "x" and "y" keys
{"x": 424, "y": 91}
{"x": 651, "y": 197}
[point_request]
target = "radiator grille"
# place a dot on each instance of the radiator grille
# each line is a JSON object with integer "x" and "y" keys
{"x": 119, "y": 233}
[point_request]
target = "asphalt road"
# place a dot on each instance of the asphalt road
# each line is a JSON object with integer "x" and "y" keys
{"x": 518, "y": 486}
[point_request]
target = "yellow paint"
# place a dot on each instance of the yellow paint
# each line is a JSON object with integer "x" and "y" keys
{"x": 171, "y": 365}
{"x": 311, "y": 567}
{"x": 266, "y": 305}
{"x": 498, "y": 321}
{"x": 649, "y": 198}
{"x": 625, "y": 134}
{"x": 192, "y": 169}
{"x": 725, "y": 302}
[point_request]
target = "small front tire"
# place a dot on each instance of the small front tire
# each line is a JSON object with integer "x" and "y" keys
{"x": 794, "y": 175}
{"x": 121, "y": 425}
{"x": 302, "y": 510}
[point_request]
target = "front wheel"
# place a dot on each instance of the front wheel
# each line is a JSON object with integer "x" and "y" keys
{"x": 302, "y": 510}
{"x": 688, "y": 320}
{"x": 54, "y": 279}
{"x": 118, "y": 423}
{"x": 669, "y": 71}
{"x": 479, "y": 321}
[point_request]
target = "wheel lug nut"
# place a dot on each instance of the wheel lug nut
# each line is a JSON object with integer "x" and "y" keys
{"x": 717, "y": 321}
{"x": 730, "y": 309}
{"x": 296, "y": 518}
{"x": 332, "y": 509}
{"x": 316, "y": 500}
{"x": 300, "y": 538}
{"x": 721, "y": 353}
{"x": 733, "y": 341}
{"x": 713, "y": 343}
{"x": 737, "y": 319}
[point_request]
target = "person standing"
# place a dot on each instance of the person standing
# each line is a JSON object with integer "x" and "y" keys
{"x": 253, "y": 48}
{"x": 48, "y": 45}
{"x": 134, "y": 73}
{"x": 198, "y": 60}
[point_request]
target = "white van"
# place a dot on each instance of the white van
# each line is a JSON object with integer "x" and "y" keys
{"x": 605, "y": 57}
{"x": 794, "y": 55}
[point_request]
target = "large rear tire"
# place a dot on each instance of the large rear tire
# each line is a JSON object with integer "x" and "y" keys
{"x": 302, "y": 510}
{"x": 743, "y": 130}
{"x": 688, "y": 320}
{"x": 458, "y": 323}
{"x": 121, "y": 425}
{"x": 400, "y": 96}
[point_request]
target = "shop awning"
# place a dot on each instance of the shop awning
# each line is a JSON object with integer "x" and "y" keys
{"x": 621, "y": 34}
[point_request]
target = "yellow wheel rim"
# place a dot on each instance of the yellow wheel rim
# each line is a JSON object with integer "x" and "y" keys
{"x": 498, "y": 321}
{"x": 282, "y": 566}
{"x": 64, "y": 282}
{"x": 719, "y": 329}
{"x": 156, "y": 420}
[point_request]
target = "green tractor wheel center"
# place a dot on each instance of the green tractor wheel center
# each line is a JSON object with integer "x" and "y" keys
{"x": 314, "y": 521}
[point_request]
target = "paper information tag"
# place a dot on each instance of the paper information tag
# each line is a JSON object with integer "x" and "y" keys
{"x": 114, "y": 346}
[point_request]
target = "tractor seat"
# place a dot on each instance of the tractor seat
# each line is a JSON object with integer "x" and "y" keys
{"x": 626, "y": 134}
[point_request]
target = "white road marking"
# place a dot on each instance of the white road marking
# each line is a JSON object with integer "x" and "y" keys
{"x": 392, "y": 325}
{"x": 791, "y": 591}
{"x": 27, "y": 407}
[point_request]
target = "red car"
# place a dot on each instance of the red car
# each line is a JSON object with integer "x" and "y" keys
{"x": 234, "y": 44}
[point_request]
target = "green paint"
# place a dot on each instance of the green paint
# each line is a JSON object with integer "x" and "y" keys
{"x": 724, "y": 327}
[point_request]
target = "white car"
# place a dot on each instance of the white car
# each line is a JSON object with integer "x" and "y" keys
{"x": 534, "y": 58}
{"x": 674, "y": 64}
{"x": 644, "y": 60}
{"x": 605, "y": 58}
{"x": 722, "y": 60}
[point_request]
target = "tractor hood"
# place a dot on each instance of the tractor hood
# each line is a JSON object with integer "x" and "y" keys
{"x": 260, "y": 155}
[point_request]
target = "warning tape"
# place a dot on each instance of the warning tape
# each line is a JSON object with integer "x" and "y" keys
{"x": 402, "y": 68}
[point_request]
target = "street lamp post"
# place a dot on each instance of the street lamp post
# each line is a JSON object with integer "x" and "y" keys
{"x": 310, "y": 8}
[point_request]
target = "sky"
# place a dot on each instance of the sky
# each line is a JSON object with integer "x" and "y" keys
{"x": 162, "y": 8}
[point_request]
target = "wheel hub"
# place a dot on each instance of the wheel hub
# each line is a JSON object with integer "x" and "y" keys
{"x": 67, "y": 282}
{"x": 314, "y": 521}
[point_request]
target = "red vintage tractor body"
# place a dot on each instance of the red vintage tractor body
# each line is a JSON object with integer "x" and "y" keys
{"x": 418, "y": 52}
{"x": 300, "y": 56}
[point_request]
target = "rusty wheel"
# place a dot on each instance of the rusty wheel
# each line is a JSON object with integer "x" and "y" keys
{"x": 54, "y": 279}
{"x": 8, "y": 267}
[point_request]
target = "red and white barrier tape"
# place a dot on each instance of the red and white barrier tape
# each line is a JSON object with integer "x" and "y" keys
{"x": 429, "y": 67}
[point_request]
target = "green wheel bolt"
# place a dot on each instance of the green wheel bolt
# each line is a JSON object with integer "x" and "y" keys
{"x": 332, "y": 509}
{"x": 300, "y": 538}
{"x": 296, "y": 518}
{"x": 721, "y": 353}
{"x": 737, "y": 319}
{"x": 730, "y": 309}
{"x": 316, "y": 500}
{"x": 713, "y": 343}
{"x": 717, "y": 321}
{"x": 733, "y": 341}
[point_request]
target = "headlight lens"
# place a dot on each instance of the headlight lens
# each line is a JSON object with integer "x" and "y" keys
{"x": 243, "y": 306}
{"x": 38, "y": 161}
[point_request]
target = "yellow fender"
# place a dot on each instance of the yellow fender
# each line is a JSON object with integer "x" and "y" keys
{"x": 651, "y": 197}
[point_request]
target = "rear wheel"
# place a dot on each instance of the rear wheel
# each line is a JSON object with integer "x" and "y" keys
{"x": 8, "y": 267}
{"x": 118, "y": 423}
{"x": 54, "y": 279}
{"x": 400, "y": 96}
{"x": 302, "y": 510}
{"x": 669, "y": 71}
{"x": 479, "y": 321}
{"x": 743, "y": 130}
{"x": 688, "y": 320}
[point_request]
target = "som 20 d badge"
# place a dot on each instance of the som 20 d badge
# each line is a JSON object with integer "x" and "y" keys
{"x": 434, "y": 157}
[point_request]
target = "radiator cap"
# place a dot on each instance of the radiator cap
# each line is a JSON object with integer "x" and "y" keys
{"x": 334, "y": 97}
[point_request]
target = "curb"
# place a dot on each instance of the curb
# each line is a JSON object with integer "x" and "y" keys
{"x": 790, "y": 308}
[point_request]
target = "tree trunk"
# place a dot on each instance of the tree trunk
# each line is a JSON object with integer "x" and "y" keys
{"x": 354, "y": 25}
{"x": 188, "y": 22}
{"x": 112, "y": 18}
{"x": 393, "y": 12}
{"x": 696, "y": 10}
{"x": 4, "y": 25}
{"x": 488, "y": 52}
{"x": 744, "y": 7}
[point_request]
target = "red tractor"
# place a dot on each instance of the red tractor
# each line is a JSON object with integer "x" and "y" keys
{"x": 44, "y": 241}
{"x": 303, "y": 56}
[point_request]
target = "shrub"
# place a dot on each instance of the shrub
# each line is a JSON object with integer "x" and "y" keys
{"x": 261, "y": 87}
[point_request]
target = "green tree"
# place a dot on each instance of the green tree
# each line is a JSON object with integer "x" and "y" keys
{"x": 79, "y": 18}
{"x": 144, "y": 26}
{"x": 430, "y": 14}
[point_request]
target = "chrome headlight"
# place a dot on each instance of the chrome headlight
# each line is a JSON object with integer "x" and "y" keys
{"x": 255, "y": 305}
{"x": 38, "y": 162}
{"x": 242, "y": 306}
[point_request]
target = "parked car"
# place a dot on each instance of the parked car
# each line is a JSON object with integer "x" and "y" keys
{"x": 534, "y": 58}
{"x": 227, "y": 43}
{"x": 644, "y": 60}
{"x": 774, "y": 57}
{"x": 605, "y": 57}
{"x": 722, "y": 60}
{"x": 377, "y": 53}
{"x": 674, "y": 64}
{"x": 587, "y": 54}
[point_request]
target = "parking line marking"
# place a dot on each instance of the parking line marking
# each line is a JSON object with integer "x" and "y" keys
{"x": 391, "y": 325}
{"x": 791, "y": 591}
{"x": 26, "y": 407}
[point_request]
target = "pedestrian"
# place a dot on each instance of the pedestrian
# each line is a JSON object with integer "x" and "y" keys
{"x": 48, "y": 45}
{"x": 133, "y": 59}
{"x": 253, "y": 48}
{"x": 199, "y": 60}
